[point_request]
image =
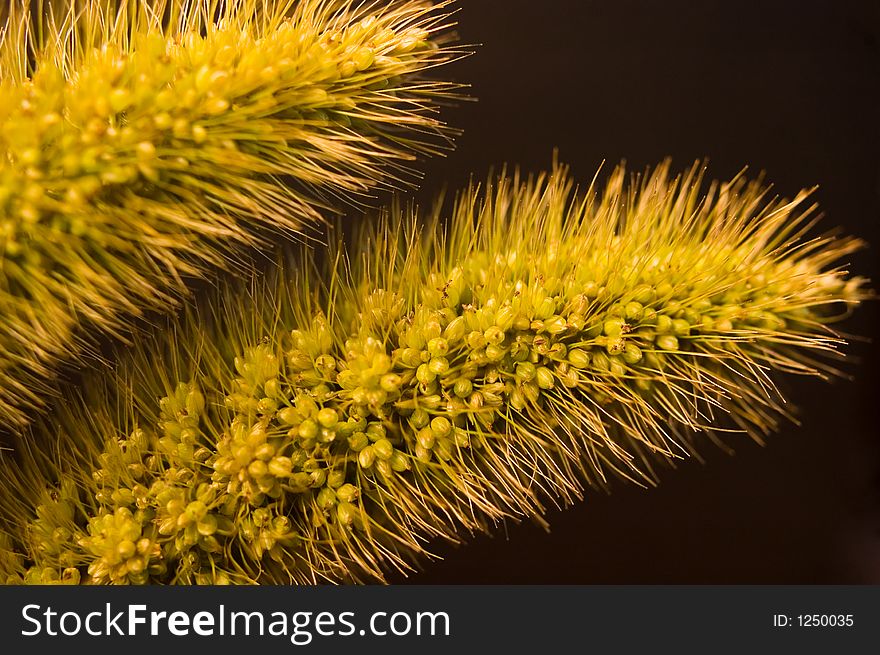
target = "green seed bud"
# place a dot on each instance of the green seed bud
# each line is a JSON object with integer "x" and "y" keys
{"x": 526, "y": 371}
{"x": 666, "y": 342}
{"x": 431, "y": 402}
{"x": 633, "y": 311}
{"x": 505, "y": 317}
{"x": 423, "y": 454}
{"x": 267, "y": 406}
{"x": 578, "y": 358}
{"x": 601, "y": 361}
{"x": 519, "y": 351}
{"x": 376, "y": 431}
{"x": 347, "y": 493}
{"x": 419, "y": 418}
{"x": 325, "y": 363}
{"x": 521, "y": 323}
{"x": 644, "y": 294}
{"x": 441, "y": 427}
{"x": 544, "y": 377}
{"x": 494, "y": 335}
{"x": 613, "y": 327}
{"x": 443, "y": 449}
{"x": 383, "y": 449}
{"x": 463, "y": 388}
{"x": 517, "y": 400}
{"x": 358, "y": 441}
{"x": 476, "y": 340}
{"x": 723, "y": 325}
{"x": 308, "y": 429}
{"x": 265, "y": 452}
{"x": 681, "y": 327}
{"x": 438, "y": 347}
{"x": 425, "y": 438}
{"x": 363, "y": 58}
{"x": 415, "y": 339}
{"x": 347, "y": 513}
{"x": 410, "y": 357}
{"x": 366, "y": 457}
{"x": 126, "y": 549}
{"x": 531, "y": 391}
{"x": 207, "y": 525}
{"x": 335, "y": 479}
{"x": 644, "y": 384}
{"x": 272, "y": 389}
{"x": 390, "y": 382}
{"x": 431, "y": 330}
{"x": 280, "y": 467}
{"x": 632, "y": 354}
{"x": 454, "y": 332}
{"x": 540, "y": 346}
{"x": 618, "y": 367}
{"x": 664, "y": 290}
{"x": 424, "y": 375}
{"x": 571, "y": 379}
{"x": 328, "y": 417}
{"x": 383, "y": 468}
{"x": 664, "y": 324}
{"x": 258, "y": 469}
{"x": 692, "y": 316}
{"x": 439, "y": 366}
{"x": 326, "y": 498}
{"x": 592, "y": 331}
{"x": 494, "y": 353}
{"x": 300, "y": 481}
{"x": 545, "y": 309}
{"x": 399, "y": 462}
{"x": 195, "y": 402}
{"x": 555, "y": 325}
{"x": 654, "y": 360}
{"x": 615, "y": 345}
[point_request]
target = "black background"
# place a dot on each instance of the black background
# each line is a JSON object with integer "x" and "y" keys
{"x": 790, "y": 88}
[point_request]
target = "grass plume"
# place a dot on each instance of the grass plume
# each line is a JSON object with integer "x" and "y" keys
{"x": 141, "y": 142}
{"x": 325, "y": 422}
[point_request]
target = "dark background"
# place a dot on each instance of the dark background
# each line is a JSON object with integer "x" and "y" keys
{"x": 790, "y": 88}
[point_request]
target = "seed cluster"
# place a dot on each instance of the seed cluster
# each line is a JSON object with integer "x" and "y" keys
{"x": 128, "y": 167}
{"x": 460, "y": 385}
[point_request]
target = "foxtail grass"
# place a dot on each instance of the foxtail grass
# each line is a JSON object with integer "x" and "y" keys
{"x": 142, "y": 142}
{"x": 328, "y": 421}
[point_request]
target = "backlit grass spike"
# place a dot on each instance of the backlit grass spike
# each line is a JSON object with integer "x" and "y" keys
{"x": 143, "y": 141}
{"x": 327, "y": 421}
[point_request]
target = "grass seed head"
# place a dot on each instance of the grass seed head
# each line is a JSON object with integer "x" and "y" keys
{"x": 323, "y": 422}
{"x": 141, "y": 142}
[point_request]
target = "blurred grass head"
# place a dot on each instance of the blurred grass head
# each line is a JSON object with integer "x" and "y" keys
{"x": 327, "y": 421}
{"x": 142, "y": 142}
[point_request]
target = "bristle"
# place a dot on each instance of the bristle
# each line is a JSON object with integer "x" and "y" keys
{"x": 141, "y": 143}
{"x": 327, "y": 421}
